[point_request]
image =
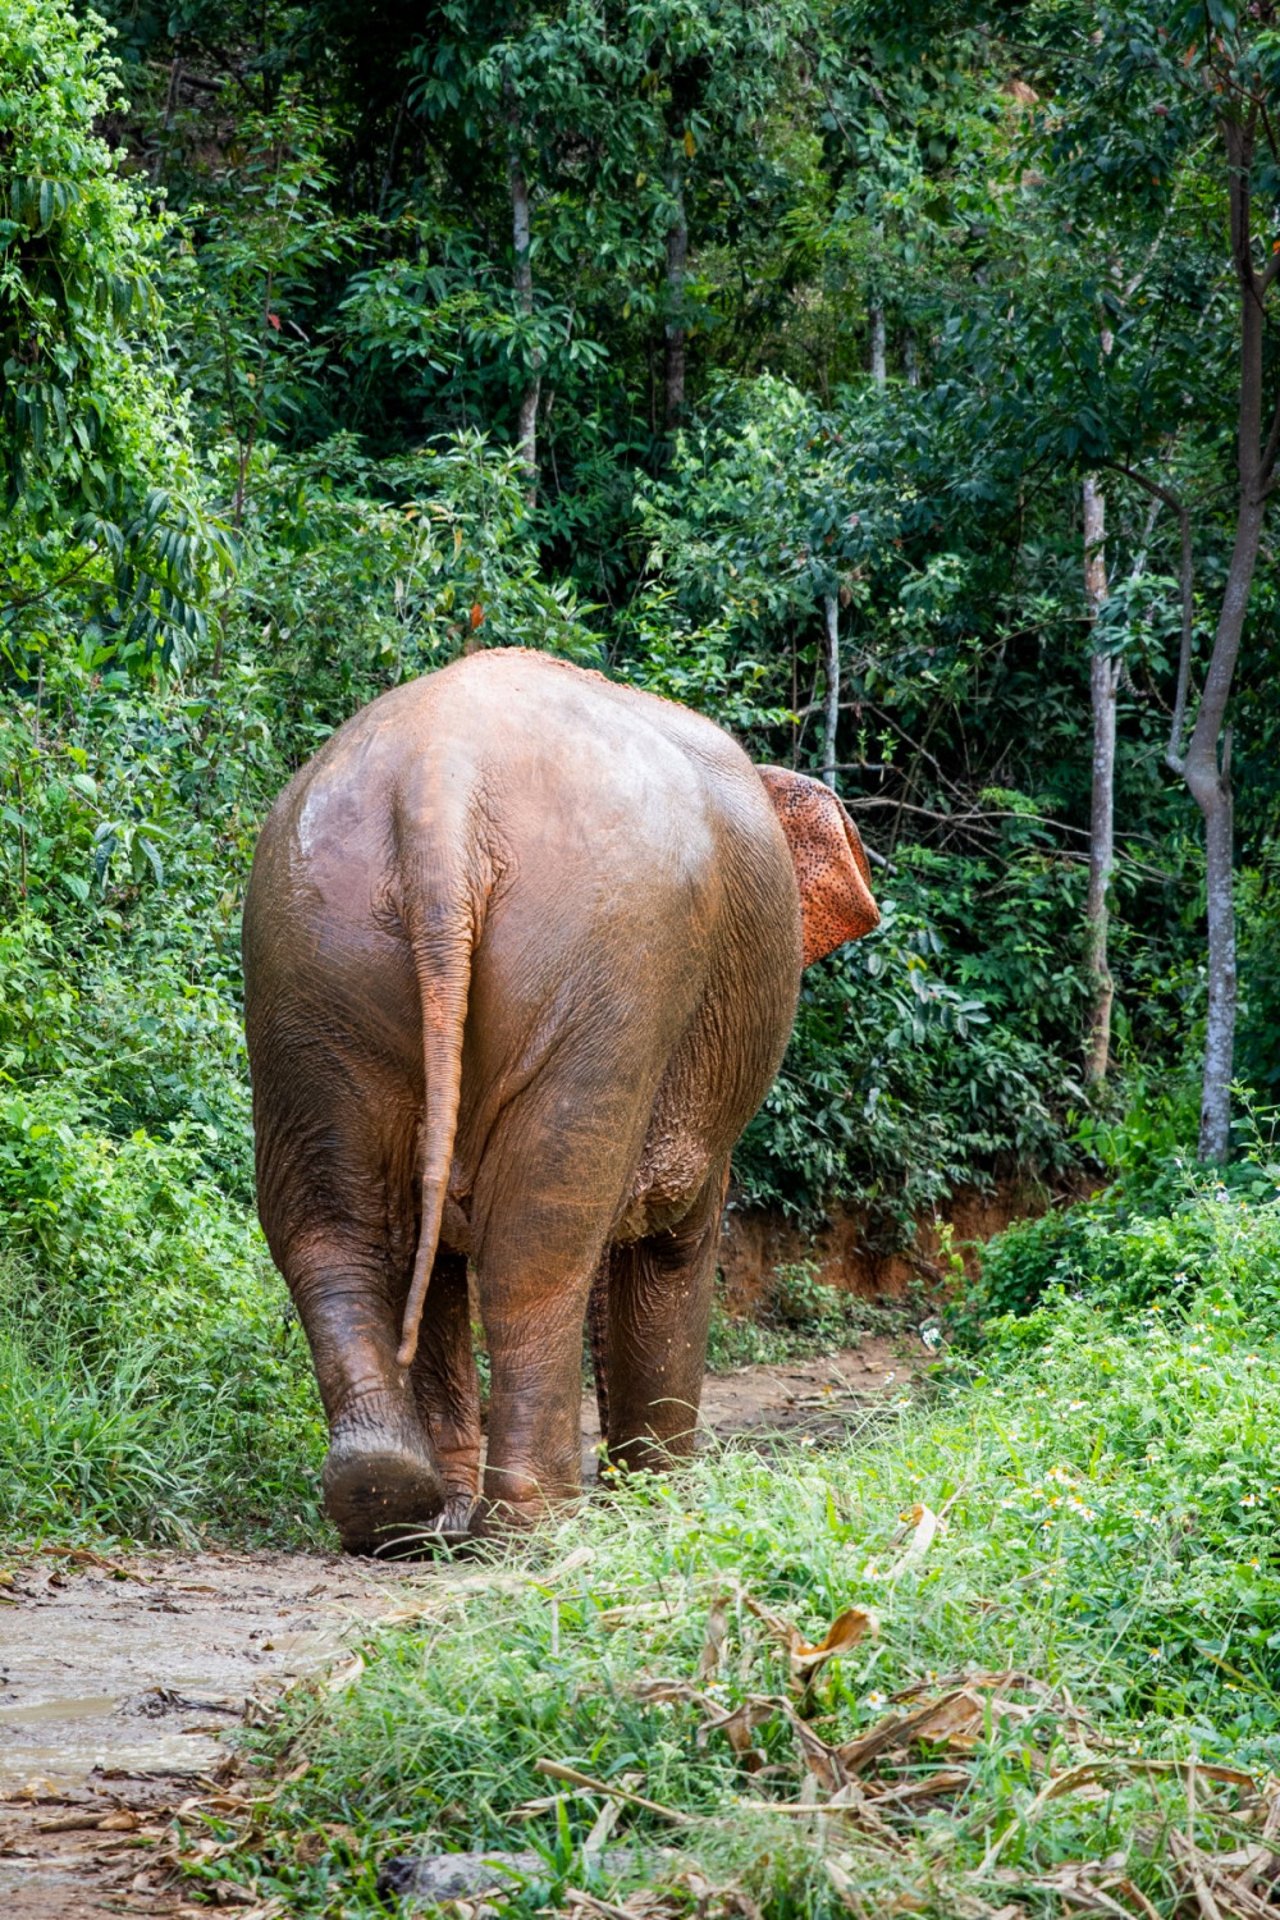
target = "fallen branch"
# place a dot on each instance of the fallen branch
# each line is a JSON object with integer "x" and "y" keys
{"x": 554, "y": 1770}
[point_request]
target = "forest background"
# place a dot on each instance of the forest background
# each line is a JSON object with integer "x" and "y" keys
{"x": 873, "y": 379}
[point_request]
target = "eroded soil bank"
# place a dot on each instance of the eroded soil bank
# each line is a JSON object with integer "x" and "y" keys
{"x": 843, "y": 1252}
{"x": 121, "y": 1678}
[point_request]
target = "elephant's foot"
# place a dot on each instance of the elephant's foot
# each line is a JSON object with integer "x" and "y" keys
{"x": 384, "y": 1496}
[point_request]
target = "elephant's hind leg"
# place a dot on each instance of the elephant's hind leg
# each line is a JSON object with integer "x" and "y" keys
{"x": 557, "y": 1167}
{"x": 448, "y": 1391}
{"x": 381, "y": 1484}
{"x": 657, "y": 1308}
{"x": 534, "y": 1268}
{"x": 337, "y": 1225}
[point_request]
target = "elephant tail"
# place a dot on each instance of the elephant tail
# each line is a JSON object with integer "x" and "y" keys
{"x": 442, "y": 960}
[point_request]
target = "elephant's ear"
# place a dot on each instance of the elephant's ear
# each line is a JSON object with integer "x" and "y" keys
{"x": 832, "y": 869}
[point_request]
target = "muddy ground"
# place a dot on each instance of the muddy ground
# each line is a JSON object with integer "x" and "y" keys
{"x": 120, "y": 1680}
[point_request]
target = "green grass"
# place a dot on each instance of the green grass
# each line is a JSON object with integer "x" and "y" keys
{"x": 149, "y": 1441}
{"x": 155, "y": 1384}
{"x": 1111, "y": 1499}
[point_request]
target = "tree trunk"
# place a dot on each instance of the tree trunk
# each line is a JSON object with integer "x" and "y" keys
{"x": 170, "y": 106}
{"x": 1206, "y": 767}
{"x": 911, "y": 358}
{"x": 1207, "y": 771}
{"x": 831, "y": 698}
{"x": 676, "y": 327}
{"x": 1104, "y": 680}
{"x": 527, "y": 419}
{"x": 879, "y": 347}
{"x": 1220, "y": 1023}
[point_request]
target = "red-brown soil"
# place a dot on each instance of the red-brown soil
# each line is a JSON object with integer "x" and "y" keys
{"x": 756, "y": 1241}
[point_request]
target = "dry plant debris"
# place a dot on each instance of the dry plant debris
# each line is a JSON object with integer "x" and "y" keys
{"x": 873, "y": 1782}
{"x": 867, "y": 1796}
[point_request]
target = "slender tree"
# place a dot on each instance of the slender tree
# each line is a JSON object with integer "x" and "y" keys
{"x": 1233, "y": 79}
{"x": 1104, "y": 681}
{"x": 522, "y": 280}
{"x": 831, "y": 700}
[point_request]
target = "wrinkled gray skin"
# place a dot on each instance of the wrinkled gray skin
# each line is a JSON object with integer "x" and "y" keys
{"x": 522, "y": 952}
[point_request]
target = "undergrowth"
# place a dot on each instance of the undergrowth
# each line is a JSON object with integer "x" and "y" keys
{"x": 1160, "y": 1235}
{"x": 154, "y": 1381}
{"x": 1094, "y": 1611}
{"x": 797, "y": 1316}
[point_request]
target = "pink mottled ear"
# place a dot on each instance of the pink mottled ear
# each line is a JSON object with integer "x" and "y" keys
{"x": 832, "y": 869}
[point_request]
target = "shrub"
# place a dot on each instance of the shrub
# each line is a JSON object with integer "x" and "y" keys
{"x": 1143, "y": 1240}
{"x": 932, "y": 1053}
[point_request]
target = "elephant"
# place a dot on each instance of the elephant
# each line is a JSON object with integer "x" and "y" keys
{"x": 522, "y": 953}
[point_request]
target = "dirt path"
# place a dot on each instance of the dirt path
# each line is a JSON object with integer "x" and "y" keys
{"x": 117, "y": 1683}
{"x": 120, "y": 1680}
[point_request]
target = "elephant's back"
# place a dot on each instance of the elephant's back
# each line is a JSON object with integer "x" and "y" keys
{"x": 623, "y": 859}
{"x": 517, "y": 727}
{"x": 623, "y": 816}
{"x": 636, "y": 955}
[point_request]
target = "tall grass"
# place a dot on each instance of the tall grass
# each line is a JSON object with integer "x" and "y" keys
{"x": 138, "y": 1439}
{"x": 154, "y": 1382}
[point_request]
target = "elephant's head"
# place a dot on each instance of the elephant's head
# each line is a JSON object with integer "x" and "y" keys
{"x": 832, "y": 869}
